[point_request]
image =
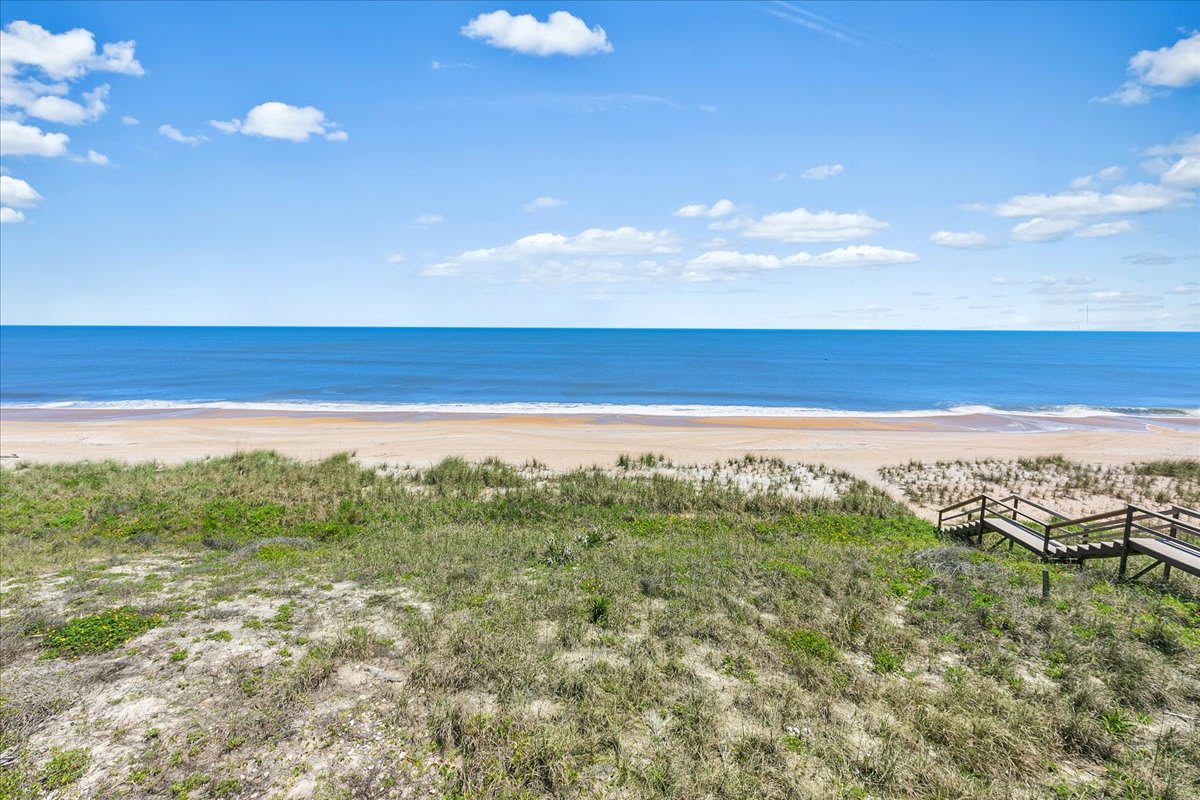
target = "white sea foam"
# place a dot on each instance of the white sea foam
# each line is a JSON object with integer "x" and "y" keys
{"x": 593, "y": 409}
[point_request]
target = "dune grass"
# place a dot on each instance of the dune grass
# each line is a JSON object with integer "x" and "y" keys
{"x": 597, "y": 633}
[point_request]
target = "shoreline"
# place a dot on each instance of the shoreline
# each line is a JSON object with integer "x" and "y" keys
{"x": 858, "y": 445}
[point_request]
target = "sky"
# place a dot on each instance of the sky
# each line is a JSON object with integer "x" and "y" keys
{"x": 744, "y": 165}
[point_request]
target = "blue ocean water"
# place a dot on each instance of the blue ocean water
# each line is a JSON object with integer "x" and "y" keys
{"x": 599, "y": 371}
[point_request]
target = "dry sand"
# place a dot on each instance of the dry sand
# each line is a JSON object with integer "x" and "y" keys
{"x": 859, "y": 445}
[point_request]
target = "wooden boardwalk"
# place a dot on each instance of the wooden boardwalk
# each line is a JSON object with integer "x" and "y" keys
{"x": 1170, "y": 538}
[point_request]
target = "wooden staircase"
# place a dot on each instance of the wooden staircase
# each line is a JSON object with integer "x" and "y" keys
{"x": 1170, "y": 538}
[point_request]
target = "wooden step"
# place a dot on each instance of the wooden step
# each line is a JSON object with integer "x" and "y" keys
{"x": 1026, "y": 537}
{"x": 1169, "y": 551}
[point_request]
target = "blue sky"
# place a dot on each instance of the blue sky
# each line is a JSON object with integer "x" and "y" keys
{"x": 758, "y": 164}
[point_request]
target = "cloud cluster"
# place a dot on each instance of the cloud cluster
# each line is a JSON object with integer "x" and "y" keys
{"x": 19, "y": 139}
{"x": 36, "y": 66}
{"x": 16, "y": 193}
{"x": 561, "y": 34}
{"x": 276, "y": 120}
{"x": 1153, "y": 72}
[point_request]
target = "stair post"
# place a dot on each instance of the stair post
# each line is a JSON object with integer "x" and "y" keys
{"x": 1125, "y": 542}
{"x": 1174, "y": 534}
{"x": 982, "y": 513}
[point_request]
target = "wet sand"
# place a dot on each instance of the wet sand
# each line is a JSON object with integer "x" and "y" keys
{"x": 858, "y": 444}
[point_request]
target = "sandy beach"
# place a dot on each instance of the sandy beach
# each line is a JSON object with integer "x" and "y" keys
{"x": 859, "y": 445}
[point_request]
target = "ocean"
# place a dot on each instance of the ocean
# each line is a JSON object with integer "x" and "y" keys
{"x": 565, "y": 371}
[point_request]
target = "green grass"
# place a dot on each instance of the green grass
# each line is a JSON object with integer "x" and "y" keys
{"x": 1185, "y": 468}
{"x": 98, "y": 633}
{"x": 596, "y": 633}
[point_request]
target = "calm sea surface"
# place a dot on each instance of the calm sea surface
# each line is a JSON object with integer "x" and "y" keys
{"x": 598, "y": 371}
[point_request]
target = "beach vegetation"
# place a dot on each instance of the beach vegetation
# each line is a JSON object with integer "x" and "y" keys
{"x": 480, "y": 630}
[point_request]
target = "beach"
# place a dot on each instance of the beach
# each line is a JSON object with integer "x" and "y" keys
{"x": 859, "y": 445}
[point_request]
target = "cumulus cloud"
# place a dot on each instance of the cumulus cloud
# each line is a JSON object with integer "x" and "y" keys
{"x": 131, "y": 121}
{"x": 862, "y": 255}
{"x": 8, "y": 215}
{"x": 176, "y": 135}
{"x": 821, "y": 172}
{"x": 1185, "y": 146}
{"x": 30, "y": 56}
{"x": 276, "y": 120}
{"x": 97, "y": 158}
{"x": 965, "y": 240}
{"x": 1102, "y": 229}
{"x": 802, "y": 225}
{"x": 545, "y": 201}
{"x": 593, "y": 255}
{"x": 1183, "y": 174}
{"x": 18, "y": 139}
{"x": 724, "y": 265}
{"x": 1154, "y": 71}
{"x": 561, "y": 34}
{"x": 16, "y": 192}
{"x": 1137, "y": 198}
{"x": 721, "y": 208}
{"x": 1041, "y": 229}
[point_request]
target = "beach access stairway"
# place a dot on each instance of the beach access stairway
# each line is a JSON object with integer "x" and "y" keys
{"x": 1170, "y": 538}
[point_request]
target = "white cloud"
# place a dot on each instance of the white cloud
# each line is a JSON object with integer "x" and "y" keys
{"x": 1137, "y": 198}
{"x": 430, "y": 219}
{"x": 1183, "y": 174}
{"x": 8, "y": 215}
{"x": 717, "y": 265}
{"x": 721, "y": 208}
{"x": 59, "y": 109}
{"x": 966, "y": 240}
{"x": 127, "y": 120}
{"x": 1166, "y": 68}
{"x": 29, "y": 53}
{"x": 1175, "y": 66}
{"x": 17, "y": 139}
{"x": 561, "y": 34}
{"x": 16, "y": 192}
{"x": 594, "y": 241}
{"x": 97, "y": 158}
{"x": 1191, "y": 287}
{"x": 802, "y": 225}
{"x": 1102, "y": 229}
{"x": 276, "y": 120}
{"x": 821, "y": 172}
{"x": 1044, "y": 230}
{"x": 1186, "y": 146}
{"x": 545, "y": 201}
{"x": 176, "y": 135}
{"x": 63, "y": 55}
{"x": 862, "y": 255}
{"x": 1106, "y": 174}
{"x": 396, "y": 258}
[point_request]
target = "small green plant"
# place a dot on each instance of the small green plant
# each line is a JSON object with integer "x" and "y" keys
{"x": 64, "y": 768}
{"x": 182, "y": 789}
{"x": 98, "y": 633}
{"x": 1118, "y": 725}
{"x": 599, "y": 609}
{"x": 886, "y": 661}
{"x": 226, "y": 787}
{"x": 807, "y": 643}
{"x": 220, "y": 636}
{"x": 179, "y": 655}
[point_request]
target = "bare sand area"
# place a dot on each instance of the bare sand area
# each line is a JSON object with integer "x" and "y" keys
{"x": 858, "y": 445}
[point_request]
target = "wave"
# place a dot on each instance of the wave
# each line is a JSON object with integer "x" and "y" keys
{"x": 595, "y": 409}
